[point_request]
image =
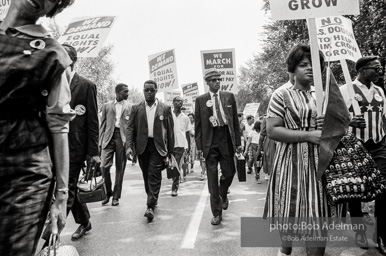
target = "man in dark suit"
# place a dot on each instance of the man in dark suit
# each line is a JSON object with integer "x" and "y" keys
{"x": 83, "y": 141}
{"x": 217, "y": 135}
{"x": 150, "y": 136}
{"x": 112, "y": 139}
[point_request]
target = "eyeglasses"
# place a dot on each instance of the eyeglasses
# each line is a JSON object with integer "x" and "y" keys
{"x": 377, "y": 68}
{"x": 215, "y": 79}
{"x": 149, "y": 90}
{"x": 55, "y": 1}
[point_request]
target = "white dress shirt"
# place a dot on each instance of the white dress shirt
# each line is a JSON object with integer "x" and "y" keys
{"x": 150, "y": 115}
{"x": 181, "y": 126}
{"x": 118, "y": 112}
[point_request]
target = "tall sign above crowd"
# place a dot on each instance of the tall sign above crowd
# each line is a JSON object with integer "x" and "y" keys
{"x": 4, "y": 5}
{"x": 336, "y": 38}
{"x": 306, "y": 9}
{"x": 87, "y": 35}
{"x": 224, "y": 61}
{"x": 163, "y": 70}
{"x": 190, "y": 93}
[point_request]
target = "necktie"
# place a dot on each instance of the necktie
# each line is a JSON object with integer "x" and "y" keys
{"x": 218, "y": 112}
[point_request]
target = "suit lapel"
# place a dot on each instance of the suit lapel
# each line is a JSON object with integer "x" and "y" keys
{"x": 143, "y": 110}
{"x": 208, "y": 98}
{"x": 74, "y": 82}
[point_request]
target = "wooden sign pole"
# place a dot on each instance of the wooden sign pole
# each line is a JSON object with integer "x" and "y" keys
{"x": 316, "y": 68}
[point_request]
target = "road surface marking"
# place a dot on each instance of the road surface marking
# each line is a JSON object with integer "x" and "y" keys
{"x": 194, "y": 224}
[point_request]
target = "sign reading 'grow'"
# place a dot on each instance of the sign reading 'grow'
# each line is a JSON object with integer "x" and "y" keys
{"x": 304, "y": 9}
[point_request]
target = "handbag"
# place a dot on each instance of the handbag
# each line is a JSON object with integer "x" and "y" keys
{"x": 91, "y": 190}
{"x": 172, "y": 170}
{"x": 352, "y": 173}
{"x": 54, "y": 248}
{"x": 240, "y": 167}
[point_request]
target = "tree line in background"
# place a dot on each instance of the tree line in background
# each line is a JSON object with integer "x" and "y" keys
{"x": 99, "y": 70}
{"x": 267, "y": 70}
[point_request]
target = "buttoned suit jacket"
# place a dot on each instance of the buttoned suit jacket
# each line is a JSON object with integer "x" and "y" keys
{"x": 84, "y": 128}
{"x": 203, "y": 129}
{"x": 163, "y": 134}
{"x": 108, "y": 122}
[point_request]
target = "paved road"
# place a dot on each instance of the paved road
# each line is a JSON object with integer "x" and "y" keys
{"x": 181, "y": 225}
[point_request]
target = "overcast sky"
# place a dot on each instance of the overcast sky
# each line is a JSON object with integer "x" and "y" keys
{"x": 145, "y": 27}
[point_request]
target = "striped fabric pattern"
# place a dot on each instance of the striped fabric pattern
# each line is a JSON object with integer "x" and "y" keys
{"x": 372, "y": 113}
{"x": 294, "y": 190}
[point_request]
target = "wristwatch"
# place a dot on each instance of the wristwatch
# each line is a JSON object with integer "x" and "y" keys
{"x": 63, "y": 190}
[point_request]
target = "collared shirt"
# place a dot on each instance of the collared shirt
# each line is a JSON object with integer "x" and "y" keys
{"x": 150, "y": 115}
{"x": 58, "y": 109}
{"x": 213, "y": 99}
{"x": 118, "y": 112}
{"x": 181, "y": 126}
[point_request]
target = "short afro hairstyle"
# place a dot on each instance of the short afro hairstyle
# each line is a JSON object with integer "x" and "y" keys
{"x": 299, "y": 52}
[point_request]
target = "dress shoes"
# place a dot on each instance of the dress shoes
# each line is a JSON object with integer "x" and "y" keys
{"x": 361, "y": 240}
{"x": 249, "y": 170}
{"x": 174, "y": 192}
{"x": 225, "y": 204}
{"x": 115, "y": 202}
{"x": 106, "y": 201}
{"x": 149, "y": 214}
{"x": 79, "y": 233}
{"x": 216, "y": 220}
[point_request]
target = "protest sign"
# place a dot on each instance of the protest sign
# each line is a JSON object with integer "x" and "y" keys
{"x": 169, "y": 96}
{"x": 251, "y": 109}
{"x": 4, "y": 5}
{"x": 87, "y": 35}
{"x": 163, "y": 70}
{"x": 336, "y": 38}
{"x": 305, "y": 9}
{"x": 190, "y": 93}
{"x": 224, "y": 61}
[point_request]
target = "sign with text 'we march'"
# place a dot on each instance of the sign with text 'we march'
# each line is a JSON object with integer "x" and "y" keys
{"x": 224, "y": 61}
{"x": 4, "y": 5}
{"x": 336, "y": 39}
{"x": 190, "y": 93}
{"x": 305, "y": 9}
{"x": 163, "y": 70}
{"x": 87, "y": 35}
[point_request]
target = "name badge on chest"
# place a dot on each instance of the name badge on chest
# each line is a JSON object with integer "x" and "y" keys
{"x": 213, "y": 121}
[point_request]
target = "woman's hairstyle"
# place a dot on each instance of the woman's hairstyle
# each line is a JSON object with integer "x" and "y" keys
{"x": 299, "y": 52}
{"x": 257, "y": 125}
{"x": 63, "y": 4}
{"x": 191, "y": 114}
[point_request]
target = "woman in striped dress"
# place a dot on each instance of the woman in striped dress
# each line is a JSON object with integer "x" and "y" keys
{"x": 293, "y": 189}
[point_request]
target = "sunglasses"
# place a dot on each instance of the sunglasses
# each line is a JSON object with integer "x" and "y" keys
{"x": 149, "y": 90}
{"x": 215, "y": 79}
{"x": 377, "y": 68}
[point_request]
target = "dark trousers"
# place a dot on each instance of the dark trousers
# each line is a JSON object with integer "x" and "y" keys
{"x": 115, "y": 145}
{"x": 26, "y": 187}
{"x": 79, "y": 211}
{"x": 152, "y": 164}
{"x": 378, "y": 153}
{"x": 178, "y": 153}
{"x": 221, "y": 151}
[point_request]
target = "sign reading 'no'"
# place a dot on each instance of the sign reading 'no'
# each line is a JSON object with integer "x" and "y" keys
{"x": 305, "y": 9}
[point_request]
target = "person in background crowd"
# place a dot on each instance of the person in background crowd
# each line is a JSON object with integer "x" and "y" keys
{"x": 112, "y": 139}
{"x": 181, "y": 126}
{"x": 34, "y": 115}
{"x": 369, "y": 128}
{"x": 241, "y": 118}
{"x": 83, "y": 140}
{"x": 247, "y": 130}
{"x": 253, "y": 140}
{"x": 217, "y": 134}
{"x": 293, "y": 189}
{"x": 267, "y": 146}
{"x": 150, "y": 136}
{"x": 193, "y": 151}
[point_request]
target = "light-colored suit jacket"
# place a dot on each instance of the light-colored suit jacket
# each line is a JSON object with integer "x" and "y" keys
{"x": 108, "y": 122}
